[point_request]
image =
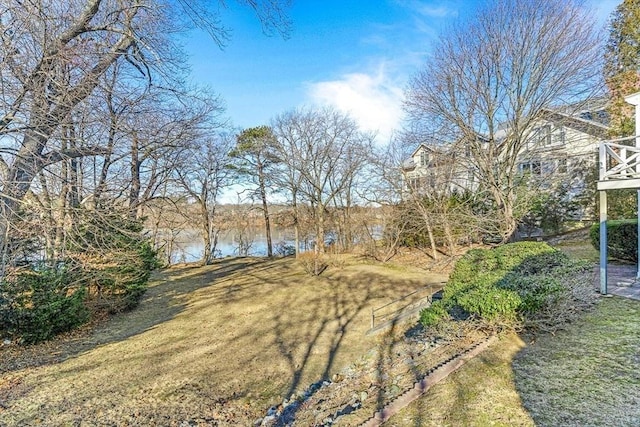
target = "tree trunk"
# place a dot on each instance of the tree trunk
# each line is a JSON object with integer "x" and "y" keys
{"x": 296, "y": 223}
{"x": 206, "y": 234}
{"x": 429, "y": 227}
{"x": 265, "y": 210}
{"x": 134, "y": 190}
{"x": 508, "y": 224}
{"x": 320, "y": 229}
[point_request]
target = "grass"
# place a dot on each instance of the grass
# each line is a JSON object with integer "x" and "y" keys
{"x": 482, "y": 393}
{"x": 579, "y": 250}
{"x": 218, "y": 345}
{"x": 586, "y": 374}
{"x": 214, "y": 345}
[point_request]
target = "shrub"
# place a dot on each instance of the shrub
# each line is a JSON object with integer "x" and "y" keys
{"x": 312, "y": 263}
{"x": 496, "y": 261}
{"x": 514, "y": 283}
{"x": 535, "y": 292}
{"x": 491, "y": 304}
{"x": 457, "y": 288}
{"x": 36, "y": 305}
{"x": 542, "y": 263}
{"x": 105, "y": 264}
{"x": 115, "y": 259}
{"x": 622, "y": 238}
{"x": 433, "y": 314}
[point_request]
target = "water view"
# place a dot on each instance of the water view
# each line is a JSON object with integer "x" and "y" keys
{"x": 189, "y": 247}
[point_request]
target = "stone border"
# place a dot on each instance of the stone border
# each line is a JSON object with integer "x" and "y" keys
{"x": 434, "y": 376}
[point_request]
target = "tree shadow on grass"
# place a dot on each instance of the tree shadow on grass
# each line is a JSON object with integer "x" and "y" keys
{"x": 586, "y": 374}
{"x": 243, "y": 334}
{"x": 162, "y": 301}
{"x": 338, "y": 316}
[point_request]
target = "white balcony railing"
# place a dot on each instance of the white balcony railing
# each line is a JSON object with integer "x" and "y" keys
{"x": 619, "y": 165}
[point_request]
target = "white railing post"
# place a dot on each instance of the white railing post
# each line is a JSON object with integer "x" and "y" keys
{"x": 602, "y": 157}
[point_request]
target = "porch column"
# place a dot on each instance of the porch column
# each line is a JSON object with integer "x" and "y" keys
{"x": 603, "y": 242}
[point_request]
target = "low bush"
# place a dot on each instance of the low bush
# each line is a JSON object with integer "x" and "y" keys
{"x": 314, "y": 264}
{"x": 104, "y": 266}
{"x": 517, "y": 284}
{"x": 622, "y": 238}
{"x": 493, "y": 305}
{"x": 35, "y": 305}
{"x": 535, "y": 292}
{"x": 433, "y": 314}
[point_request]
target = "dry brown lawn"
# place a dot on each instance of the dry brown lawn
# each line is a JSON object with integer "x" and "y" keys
{"x": 482, "y": 393}
{"x": 211, "y": 346}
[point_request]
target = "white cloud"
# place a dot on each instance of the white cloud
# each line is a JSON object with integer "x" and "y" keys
{"x": 436, "y": 11}
{"x": 373, "y": 100}
{"x": 431, "y": 9}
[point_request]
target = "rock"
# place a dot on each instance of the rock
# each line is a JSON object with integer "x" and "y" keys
{"x": 363, "y": 396}
{"x": 257, "y": 422}
{"x": 268, "y": 420}
{"x": 337, "y": 378}
{"x": 394, "y": 390}
{"x": 272, "y": 411}
{"x": 6, "y": 341}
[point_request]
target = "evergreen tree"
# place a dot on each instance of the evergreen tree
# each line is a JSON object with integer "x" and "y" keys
{"x": 254, "y": 163}
{"x": 622, "y": 65}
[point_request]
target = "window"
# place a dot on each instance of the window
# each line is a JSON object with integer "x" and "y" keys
{"x": 535, "y": 168}
{"x": 424, "y": 158}
{"x": 558, "y": 136}
{"x": 542, "y": 135}
{"x": 532, "y": 167}
{"x": 413, "y": 184}
{"x": 562, "y": 165}
{"x": 586, "y": 115}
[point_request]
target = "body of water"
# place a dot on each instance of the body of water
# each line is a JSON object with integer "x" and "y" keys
{"x": 189, "y": 247}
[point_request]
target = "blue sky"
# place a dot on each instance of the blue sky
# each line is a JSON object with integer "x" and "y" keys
{"x": 356, "y": 55}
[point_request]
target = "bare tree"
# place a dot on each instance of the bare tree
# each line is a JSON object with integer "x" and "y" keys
{"x": 491, "y": 77}
{"x": 203, "y": 175}
{"x": 385, "y": 189}
{"x": 53, "y": 57}
{"x": 319, "y": 149}
{"x": 288, "y": 178}
{"x": 354, "y": 174}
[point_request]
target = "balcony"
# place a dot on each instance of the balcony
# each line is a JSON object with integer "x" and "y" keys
{"x": 619, "y": 165}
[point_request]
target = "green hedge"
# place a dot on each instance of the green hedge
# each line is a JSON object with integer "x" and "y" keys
{"x": 432, "y": 315}
{"x": 106, "y": 267}
{"x": 622, "y": 238}
{"x": 505, "y": 285}
{"x": 35, "y": 305}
